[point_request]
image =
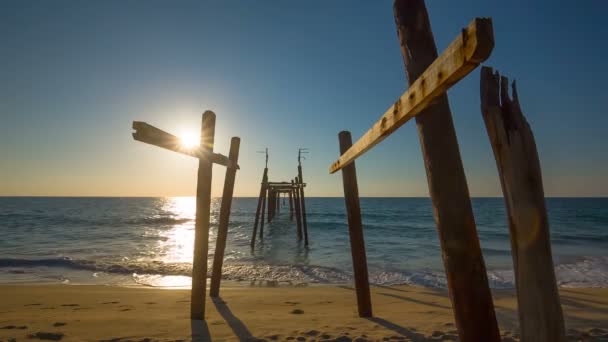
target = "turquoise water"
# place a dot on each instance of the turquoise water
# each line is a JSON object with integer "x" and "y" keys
{"x": 148, "y": 241}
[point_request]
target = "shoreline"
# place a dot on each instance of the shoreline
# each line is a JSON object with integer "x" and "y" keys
{"x": 312, "y": 313}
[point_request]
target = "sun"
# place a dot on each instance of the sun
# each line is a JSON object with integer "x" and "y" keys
{"x": 188, "y": 140}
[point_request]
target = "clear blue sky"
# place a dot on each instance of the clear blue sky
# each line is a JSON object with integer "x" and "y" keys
{"x": 282, "y": 75}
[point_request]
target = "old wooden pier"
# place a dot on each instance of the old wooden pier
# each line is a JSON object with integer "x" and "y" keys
{"x": 206, "y": 158}
{"x": 270, "y": 200}
{"x": 430, "y": 76}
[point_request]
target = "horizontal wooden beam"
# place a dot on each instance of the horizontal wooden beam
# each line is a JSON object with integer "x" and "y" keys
{"x": 151, "y": 135}
{"x": 464, "y": 54}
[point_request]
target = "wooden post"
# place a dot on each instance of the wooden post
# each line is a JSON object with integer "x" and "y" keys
{"x": 222, "y": 229}
{"x": 464, "y": 265}
{"x": 540, "y": 312}
{"x": 257, "y": 211}
{"x": 201, "y": 227}
{"x": 278, "y": 202}
{"x": 303, "y": 203}
{"x": 296, "y": 203}
{"x": 270, "y": 204}
{"x": 355, "y": 230}
{"x": 291, "y": 205}
{"x": 263, "y": 211}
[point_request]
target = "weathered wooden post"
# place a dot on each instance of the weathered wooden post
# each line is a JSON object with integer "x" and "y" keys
{"x": 278, "y": 202}
{"x": 222, "y": 230}
{"x": 303, "y": 202}
{"x": 463, "y": 261}
{"x": 540, "y": 312}
{"x": 296, "y": 202}
{"x": 201, "y": 227}
{"x": 263, "y": 211}
{"x": 291, "y": 205}
{"x": 355, "y": 230}
{"x": 270, "y": 203}
{"x": 259, "y": 207}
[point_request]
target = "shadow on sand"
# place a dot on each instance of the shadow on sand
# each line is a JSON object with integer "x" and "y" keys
{"x": 200, "y": 331}
{"x": 237, "y": 326}
{"x": 409, "y": 333}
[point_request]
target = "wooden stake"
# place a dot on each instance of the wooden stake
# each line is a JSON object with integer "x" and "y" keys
{"x": 257, "y": 211}
{"x": 291, "y": 205}
{"x": 540, "y": 312}
{"x": 355, "y": 230}
{"x": 201, "y": 227}
{"x": 303, "y": 202}
{"x": 278, "y": 202}
{"x": 463, "y": 261}
{"x": 296, "y": 202}
{"x": 222, "y": 230}
{"x": 270, "y": 204}
{"x": 263, "y": 211}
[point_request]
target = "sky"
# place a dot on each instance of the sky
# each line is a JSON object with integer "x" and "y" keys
{"x": 281, "y": 75}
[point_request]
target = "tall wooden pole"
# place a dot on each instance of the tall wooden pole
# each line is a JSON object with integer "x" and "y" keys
{"x": 222, "y": 230}
{"x": 296, "y": 203}
{"x": 201, "y": 227}
{"x": 355, "y": 230}
{"x": 291, "y": 205}
{"x": 278, "y": 202}
{"x": 270, "y": 204}
{"x": 540, "y": 312}
{"x": 263, "y": 211}
{"x": 257, "y": 211}
{"x": 303, "y": 203}
{"x": 464, "y": 265}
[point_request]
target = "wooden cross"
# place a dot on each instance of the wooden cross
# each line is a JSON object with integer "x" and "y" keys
{"x": 206, "y": 157}
{"x": 430, "y": 76}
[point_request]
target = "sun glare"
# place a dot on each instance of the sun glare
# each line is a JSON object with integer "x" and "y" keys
{"x": 188, "y": 140}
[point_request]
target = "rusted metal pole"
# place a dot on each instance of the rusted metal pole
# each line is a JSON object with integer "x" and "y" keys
{"x": 304, "y": 223}
{"x": 464, "y": 265}
{"x": 355, "y": 230}
{"x": 257, "y": 211}
{"x": 540, "y": 312}
{"x": 201, "y": 226}
{"x": 222, "y": 229}
{"x": 296, "y": 202}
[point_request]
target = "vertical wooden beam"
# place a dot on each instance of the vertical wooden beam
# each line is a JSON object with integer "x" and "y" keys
{"x": 540, "y": 312}
{"x": 291, "y": 205}
{"x": 257, "y": 211}
{"x": 464, "y": 265}
{"x": 222, "y": 229}
{"x": 263, "y": 211}
{"x": 296, "y": 204}
{"x": 270, "y": 204}
{"x": 278, "y": 202}
{"x": 201, "y": 227}
{"x": 303, "y": 203}
{"x": 355, "y": 230}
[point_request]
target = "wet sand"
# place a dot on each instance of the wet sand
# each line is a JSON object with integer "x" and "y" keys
{"x": 402, "y": 313}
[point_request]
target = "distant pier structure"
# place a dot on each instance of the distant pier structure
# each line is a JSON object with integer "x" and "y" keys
{"x": 269, "y": 201}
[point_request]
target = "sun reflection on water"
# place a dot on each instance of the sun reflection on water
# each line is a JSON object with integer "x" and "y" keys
{"x": 178, "y": 242}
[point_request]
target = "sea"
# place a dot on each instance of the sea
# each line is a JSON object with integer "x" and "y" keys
{"x": 149, "y": 242}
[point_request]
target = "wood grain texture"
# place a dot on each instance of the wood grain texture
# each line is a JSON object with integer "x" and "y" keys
{"x": 222, "y": 228}
{"x": 355, "y": 231}
{"x": 463, "y": 262}
{"x": 540, "y": 312}
{"x": 464, "y": 54}
{"x": 201, "y": 226}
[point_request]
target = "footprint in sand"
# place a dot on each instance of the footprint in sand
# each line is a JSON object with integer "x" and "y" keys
{"x": 115, "y": 302}
{"x": 297, "y": 311}
{"x": 34, "y": 304}
{"x": 21, "y": 327}
{"x": 70, "y": 304}
{"x": 59, "y": 324}
{"x": 50, "y": 336}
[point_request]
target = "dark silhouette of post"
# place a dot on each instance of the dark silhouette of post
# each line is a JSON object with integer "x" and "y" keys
{"x": 222, "y": 230}
{"x": 464, "y": 265}
{"x": 259, "y": 207}
{"x": 263, "y": 211}
{"x": 278, "y": 202}
{"x": 303, "y": 203}
{"x": 291, "y": 205}
{"x": 270, "y": 204}
{"x": 355, "y": 230}
{"x": 296, "y": 203}
{"x": 538, "y": 302}
{"x": 201, "y": 227}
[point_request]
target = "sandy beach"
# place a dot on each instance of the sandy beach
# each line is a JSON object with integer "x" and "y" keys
{"x": 403, "y": 313}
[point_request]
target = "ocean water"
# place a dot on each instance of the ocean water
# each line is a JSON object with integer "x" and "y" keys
{"x": 149, "y": 241}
